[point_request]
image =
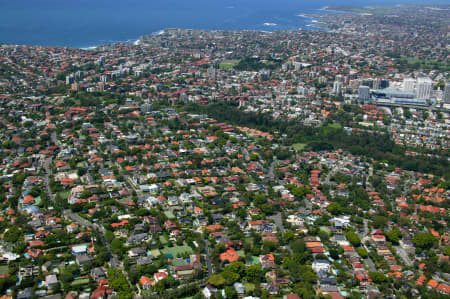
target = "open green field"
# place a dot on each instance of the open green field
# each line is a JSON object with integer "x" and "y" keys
{"x": 228, "y": 64}
{"x": 331, "y": 127}
{"x": 177, "y": 250}
{"x": 299, "y": 146}
{"x": 335, "y": 126}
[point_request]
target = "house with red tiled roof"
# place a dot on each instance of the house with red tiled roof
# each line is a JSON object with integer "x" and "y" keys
{"x": 421, "y": 280}
{"x": 145, "y": 282}
{"x": 119, "y": 224}
{"x": 28, "y": 200}
{"x": 214, "y": 227}
{"x": 432, "y": 284}
{"x": 230, "y": 255}
{"x": 101, "y": 292}
{"x": 160, "y": 275}
{"x": 444, "y": 288}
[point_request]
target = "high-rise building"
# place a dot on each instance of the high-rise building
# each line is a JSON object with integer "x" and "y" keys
{"x": 101, "y": 86}
{"x": 367, "y": 82}
{"x": 376, "y": 83}
{"x": 424, "y": 87}
{"x": 70, "y": 79}
{"x": 364, "y": 93}
{"x": 409, "y": 84}
{"x": 384, "y": 83}
{"x": 146, "y": 107}
{"x": 75, "y": 86}
{"x": 337, "y": 88}
{"x": 447, "y": 93}
{"x": 323, "y": 79}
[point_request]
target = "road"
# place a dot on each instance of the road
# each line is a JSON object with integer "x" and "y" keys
{"x": 271, "y": 172}
{"x": 369, "y": 176}
{"x": 46, "y": 165}
{"x": 246, "y": 154}
{"x": 114, "y": 261}
{"x": 370, "y": 265}
{"x": 208, "y": 258}
{"x": 308, "y": 205}
{"x": 366, "y": 229}
{"x": 278, "y": 221}
{"x": 331, "y": 173}
{"x": 404, "y": 255}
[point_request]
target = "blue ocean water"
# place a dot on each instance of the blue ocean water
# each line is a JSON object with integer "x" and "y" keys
{"x": 86, "y": 23}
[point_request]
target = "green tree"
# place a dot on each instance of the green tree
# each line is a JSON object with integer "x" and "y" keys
{"x": 353, "y": 238}
{"x": 424, "y": 240}
{"x": 362, "y": 253}
{"x": 230, "y": 292}
{"x": 253, "y": 273}
{"x": 394, "y": 235}
{"x": 159, "y": 287}
{"x": 117, "y": 246}
{"x": 447, "y": 251}
{"x": 377, "y": 277}
{"x": 334, "y": 208}
{"x": 230, "y": 277}
{"x": 109, "y": 235}
{"x": 216, "y": 280}
{"x": 379, "y": 221}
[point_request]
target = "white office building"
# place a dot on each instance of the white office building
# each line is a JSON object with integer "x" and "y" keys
{"x": 337, "y": 88}
{"x": 447, "y": 93}
{"x": 409, "y": 84}
{"x": 424, "y": 87}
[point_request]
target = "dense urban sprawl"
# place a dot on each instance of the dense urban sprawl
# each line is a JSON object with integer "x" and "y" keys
{"x": 231, "y": 164}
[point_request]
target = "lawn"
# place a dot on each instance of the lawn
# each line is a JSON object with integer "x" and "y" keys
{"x": 169, "y": 214}
{"x": 335, "y": 126}
{"x": 163, "y": 240}
{"x": 241, "y": 253}
{"x": 78, "y": 282}
{"x": 3, "y": 270}
{"x": 255, "y": 260}
{"x": 299, "y": 146}
{"x": 331, "y": 127}
{"x": 228, "y": 64}
{"x": 63, "y": 195}
{"x": 155, "y": 253}
{"x": 177, "y": 250}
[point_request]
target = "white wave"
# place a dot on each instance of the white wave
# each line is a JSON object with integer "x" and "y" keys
{"x": 160, "y": 32}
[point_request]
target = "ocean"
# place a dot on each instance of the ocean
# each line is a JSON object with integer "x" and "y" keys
{"x": 88, "y": 23}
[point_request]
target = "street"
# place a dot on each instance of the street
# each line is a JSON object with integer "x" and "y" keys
{"x": 208, "y": 259}
{"x": 404, "y": 255}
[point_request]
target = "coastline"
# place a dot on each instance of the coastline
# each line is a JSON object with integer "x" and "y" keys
{"x": 312, "y": 21}
{"x": 328, "y": 10}
{"x": 135, "y": 42}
